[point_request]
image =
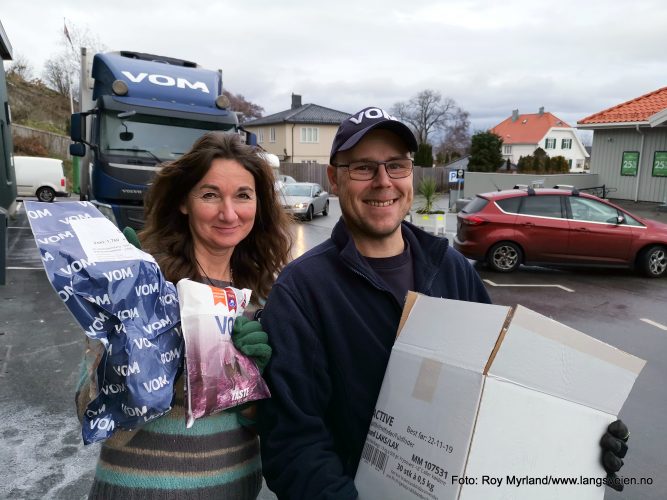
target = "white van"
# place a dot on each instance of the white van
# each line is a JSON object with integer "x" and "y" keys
{"x": 41, "y": 177}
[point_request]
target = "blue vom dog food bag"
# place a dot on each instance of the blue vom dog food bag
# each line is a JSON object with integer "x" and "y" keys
{"x": 120, "y": 298}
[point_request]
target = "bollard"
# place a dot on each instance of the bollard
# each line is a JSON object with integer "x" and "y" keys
{"x": 3, "y": 243}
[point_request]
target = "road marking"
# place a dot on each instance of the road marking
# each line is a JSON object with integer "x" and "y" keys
{"x": 18, "y": 227}
{"x": 4, "y": 365}
{"x": 489, "y": 282}
{"x": 37, "y": 351}
{"x": 24, "y": 268}
{"x": 654, "y": 323}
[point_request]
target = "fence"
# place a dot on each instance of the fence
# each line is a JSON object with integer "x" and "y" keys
{"x": 317, "y": 173}
{"x": 57, "y": 145}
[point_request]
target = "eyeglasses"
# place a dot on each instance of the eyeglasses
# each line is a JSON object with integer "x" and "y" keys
{"x": 367, "y": 170}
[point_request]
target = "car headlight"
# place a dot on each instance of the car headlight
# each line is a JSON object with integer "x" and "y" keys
{"x": 301, "y": 205}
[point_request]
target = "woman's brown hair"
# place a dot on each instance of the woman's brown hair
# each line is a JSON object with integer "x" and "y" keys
{"x": 258, "y": 258}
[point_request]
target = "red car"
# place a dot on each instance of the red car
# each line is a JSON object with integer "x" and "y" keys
{"x": 555, "y": 226}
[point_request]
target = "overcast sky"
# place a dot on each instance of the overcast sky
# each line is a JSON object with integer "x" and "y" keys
{"x": 572, "y": 57}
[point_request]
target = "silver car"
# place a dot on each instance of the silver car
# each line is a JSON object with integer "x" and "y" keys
{"x": 305, "y": 199}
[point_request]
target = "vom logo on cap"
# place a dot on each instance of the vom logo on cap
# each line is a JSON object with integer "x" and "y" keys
{"x": 354, "y": 128}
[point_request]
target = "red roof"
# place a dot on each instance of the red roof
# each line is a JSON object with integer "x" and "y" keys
{"x": 635, "y": 110}
{"x": 528, "y": 128}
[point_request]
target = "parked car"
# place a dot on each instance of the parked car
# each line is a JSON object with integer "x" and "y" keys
{"x": 281, "y": 180}
{"x": 305, "y": 199}
{"x": 40, "y": 177}
{"x": 555, "y": 226}
{"x": 286, "y": 179}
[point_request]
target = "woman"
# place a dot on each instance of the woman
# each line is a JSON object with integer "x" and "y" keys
{"x": 211, "y": 216}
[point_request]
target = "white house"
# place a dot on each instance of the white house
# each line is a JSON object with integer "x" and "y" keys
{"x": 523, "y": 134}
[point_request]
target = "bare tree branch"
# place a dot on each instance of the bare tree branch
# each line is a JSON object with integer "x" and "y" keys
{"x": 426, "y": 113}
{"x": 20, "y": 67}
{"x": 64, "y": 68}
{"x": 245, "y": 109}
{"x": 55, "y": 75}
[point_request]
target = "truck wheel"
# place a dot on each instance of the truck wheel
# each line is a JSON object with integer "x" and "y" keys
{"x": 653, "y": 261}
{"x": 504, "y": 257}
{"x": 46, "y": 194}
{"x": 326, "y": 208}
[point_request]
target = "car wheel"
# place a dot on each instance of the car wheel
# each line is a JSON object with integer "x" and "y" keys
{"x": 309, "y": 214}
{"x": 504, "y": 257}
{"x": 326, "y": 208}
{"x": 653, "y": 261}
{"x": 46, "y": 194}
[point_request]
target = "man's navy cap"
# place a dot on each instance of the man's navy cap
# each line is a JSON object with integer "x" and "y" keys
{"x": 354, "y": 128}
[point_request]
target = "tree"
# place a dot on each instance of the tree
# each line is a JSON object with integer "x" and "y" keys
{"x": 66, "y": 65}
{"x": 55, "y": 75}
{"x": 424, "y": 155}
{"x": 426, "y": 113}
{"x": 245, "y": 109}
{"x": 485, "y": 153}
{"x": 20, "y": 68}
{"x": 559, "y": 165}
{"x": 540, "y": 161}
{"x": 456, "y": 139}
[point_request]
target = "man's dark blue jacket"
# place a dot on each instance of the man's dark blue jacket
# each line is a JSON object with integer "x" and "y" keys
{"x": 332, "y": 322}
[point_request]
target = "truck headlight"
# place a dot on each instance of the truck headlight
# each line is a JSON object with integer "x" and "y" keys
{"x": 107, "y": 211}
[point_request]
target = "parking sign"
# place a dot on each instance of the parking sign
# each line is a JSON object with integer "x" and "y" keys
{"x": 452, "y": 176}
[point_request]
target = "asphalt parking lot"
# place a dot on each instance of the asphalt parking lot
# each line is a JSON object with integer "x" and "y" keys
{"x": 40, "y": 347}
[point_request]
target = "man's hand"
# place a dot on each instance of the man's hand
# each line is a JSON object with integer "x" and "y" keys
{"x": 614, "y": 447}
{"x": 251, "y": 340}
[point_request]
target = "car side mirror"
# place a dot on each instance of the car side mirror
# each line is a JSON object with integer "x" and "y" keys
{"x": 620, "y": 219}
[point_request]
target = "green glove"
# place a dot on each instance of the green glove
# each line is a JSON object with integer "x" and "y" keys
{"x": 131, "y": 236}
{"x": 251, "y": 340}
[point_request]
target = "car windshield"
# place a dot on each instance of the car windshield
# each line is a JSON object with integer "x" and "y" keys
{"x": 296, "y": 190}
{"x": 151, "y": 137}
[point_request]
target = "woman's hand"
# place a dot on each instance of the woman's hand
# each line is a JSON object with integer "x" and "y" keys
{"x": 251, "y": 340}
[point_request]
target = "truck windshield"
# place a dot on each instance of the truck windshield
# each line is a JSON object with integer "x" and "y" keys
{"x": 152, "y": 137}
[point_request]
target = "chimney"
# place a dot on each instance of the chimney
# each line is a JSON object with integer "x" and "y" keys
{"x": 296, "y": 101}
{"x": 515, "y": 115}
{"x": 541, "y": 111}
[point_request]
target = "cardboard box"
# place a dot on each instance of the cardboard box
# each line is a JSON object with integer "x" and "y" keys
{"x": 484, "y": 401}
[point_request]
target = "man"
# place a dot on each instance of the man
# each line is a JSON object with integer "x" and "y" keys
{"x": 333, "y": 313}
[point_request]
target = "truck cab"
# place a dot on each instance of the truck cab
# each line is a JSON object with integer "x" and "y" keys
{"x": 139, "y": 111}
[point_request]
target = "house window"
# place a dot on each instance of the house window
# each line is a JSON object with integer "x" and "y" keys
{"x": 272, "y": 134}
{"x": 566, "y": 144}
{"x": 550, "y": 143}
{"x": 260, "y": 135}
{"x": 310, "y": 134}
{"x": 507, "y": 149}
